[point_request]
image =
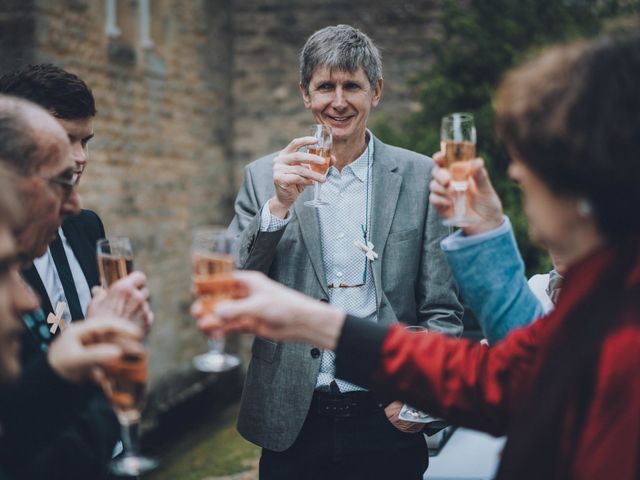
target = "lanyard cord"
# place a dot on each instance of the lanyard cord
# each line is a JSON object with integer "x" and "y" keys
{"x": 366, "y": 227}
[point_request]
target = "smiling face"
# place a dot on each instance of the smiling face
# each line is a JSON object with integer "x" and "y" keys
{"x": 342, "y": 100}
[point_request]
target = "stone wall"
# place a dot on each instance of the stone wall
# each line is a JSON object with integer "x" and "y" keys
{"x": 268, "y": 37}
{"x": 177, "y": 122}
{"x": 157, "y": 163}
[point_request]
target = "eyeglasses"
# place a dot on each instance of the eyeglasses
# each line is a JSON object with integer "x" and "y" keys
{"x": 63, "y": 182}
{"x": 344, "y": 285}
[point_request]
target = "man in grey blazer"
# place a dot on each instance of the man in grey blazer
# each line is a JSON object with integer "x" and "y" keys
{"x": 374, "y": 251}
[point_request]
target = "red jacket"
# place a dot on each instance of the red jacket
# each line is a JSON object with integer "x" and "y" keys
{"x": 472, "y": 385}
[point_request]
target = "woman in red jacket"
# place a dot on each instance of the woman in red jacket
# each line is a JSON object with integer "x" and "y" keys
{"x": 566, "y": 390}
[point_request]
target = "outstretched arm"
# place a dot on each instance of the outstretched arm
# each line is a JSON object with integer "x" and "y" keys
{"x": 484, "y": 257}
{"x": 461, "y": 381}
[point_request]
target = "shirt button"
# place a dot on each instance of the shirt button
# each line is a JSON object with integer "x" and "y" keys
{"x": 339, "y": 274}
{"x": 340, "y": 235}
{"x": 315, "y": 352}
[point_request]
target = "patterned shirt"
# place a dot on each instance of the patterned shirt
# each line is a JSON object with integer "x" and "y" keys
{"x": 343, "y": 222}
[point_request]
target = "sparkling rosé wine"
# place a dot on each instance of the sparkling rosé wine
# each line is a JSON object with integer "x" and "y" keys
{"x": 212, "y": 279}
{"x": 457, "y": 156}
{"x": 125, "y": 385}
{"x": 324, "y": 153}
{"x": 113, "y": 267}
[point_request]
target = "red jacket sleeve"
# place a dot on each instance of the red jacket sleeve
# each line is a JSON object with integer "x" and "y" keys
{"x": 464, "y": 382}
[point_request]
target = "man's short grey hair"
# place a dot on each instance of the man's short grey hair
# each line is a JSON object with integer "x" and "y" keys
{"x": 11, "y": 211}
{"x": 340, "y": 47}
{"x": 19, "y": 148}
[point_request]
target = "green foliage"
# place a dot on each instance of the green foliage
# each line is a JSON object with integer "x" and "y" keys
{"x": 481, "y": 40}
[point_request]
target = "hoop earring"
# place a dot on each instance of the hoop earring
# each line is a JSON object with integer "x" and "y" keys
{"x": 584, "y": 208}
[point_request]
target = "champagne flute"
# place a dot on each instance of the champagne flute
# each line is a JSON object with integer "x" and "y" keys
{"x": 115, "y": 259}
{"x": 322, "y": 148}
{"x": 125, "y": 386}
{"x": 126, "y": 378}
{"x": 458, "y": 143}
{"x": 212, "y": 264}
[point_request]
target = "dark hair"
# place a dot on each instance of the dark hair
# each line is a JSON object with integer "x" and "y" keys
{"x": 572, "y": 116}
{"x": 340, "y": 47}
{"x": 56, "y": 90}
{"x": 19, "y": 148}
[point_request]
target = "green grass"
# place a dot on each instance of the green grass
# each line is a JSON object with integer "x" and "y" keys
{"x": 211, "y": 449}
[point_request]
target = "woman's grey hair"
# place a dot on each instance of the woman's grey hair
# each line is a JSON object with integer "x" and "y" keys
{"x": 340, "y": 47}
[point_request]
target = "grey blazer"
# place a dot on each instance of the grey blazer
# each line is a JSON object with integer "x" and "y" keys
{"x": 412, "y": 279}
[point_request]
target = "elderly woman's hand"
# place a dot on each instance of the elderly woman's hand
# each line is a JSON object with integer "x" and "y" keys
{"x": 483, "y": 203}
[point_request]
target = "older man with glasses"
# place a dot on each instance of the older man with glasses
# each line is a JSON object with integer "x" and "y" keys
{"x": 35, "y": 146}
{"x": 40, "y": 402}
{"x": 64, "y": 275}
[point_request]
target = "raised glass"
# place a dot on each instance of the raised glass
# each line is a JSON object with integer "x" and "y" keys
{"x": 125, "y": 379}
{"x": 458, "y": 144}
{"x": 322, "y": 148}
{"x": 115, "y": 259}
{"x": 125, "y": 386}
{"x": 212, "y": 263}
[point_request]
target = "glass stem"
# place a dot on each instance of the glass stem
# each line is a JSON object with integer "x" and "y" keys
{"x": 460, "y": 203}
{"x": 316, "y": 191}
{"x": 130, "y": 439}
{"x": 216, "y": 345}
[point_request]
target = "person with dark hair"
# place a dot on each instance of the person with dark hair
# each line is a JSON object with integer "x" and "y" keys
{"x": 35, "y": 146}
{"x": 565, "y": 389}
{"x": 62, "y": 93}
{"x": 372, "y": 251}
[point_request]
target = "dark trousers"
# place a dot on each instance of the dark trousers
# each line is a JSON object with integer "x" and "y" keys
{"x": 362, "y": 446}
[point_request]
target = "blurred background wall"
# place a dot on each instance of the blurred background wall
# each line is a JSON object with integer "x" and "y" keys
{"x": 187, "y": 93}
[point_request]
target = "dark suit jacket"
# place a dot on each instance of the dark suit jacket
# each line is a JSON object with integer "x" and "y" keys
{"x": 84, "y": 449}
{"x": 82, "y": 232}
{"x": 34, "y": 411}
